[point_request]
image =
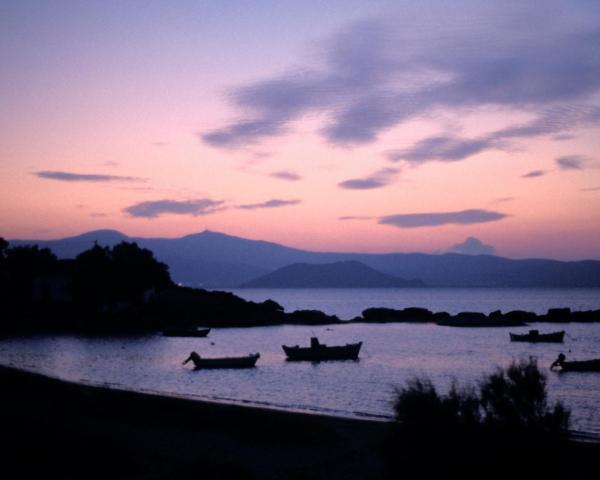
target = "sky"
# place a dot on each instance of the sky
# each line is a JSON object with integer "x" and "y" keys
{"x": 343, "y": 125}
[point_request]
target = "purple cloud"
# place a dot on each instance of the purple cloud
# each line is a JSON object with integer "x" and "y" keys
{"x": 473, "y": 246}
{"x": 465, "y": 217}
{"x": 591, "y": 189}
{"x": 274, "y": 203}
{"x": 156, "y": 208}
{"x": 355, "y": 217}
{"x": 378, "y": 179}
{"x": 452, "y": 149}
{"x": 377, "y": 73}
{"x": 571, "y": 162}
{"x": 286, "y": 175}
{"x": 84, "y": 177}
{"x": 534, "y": 174}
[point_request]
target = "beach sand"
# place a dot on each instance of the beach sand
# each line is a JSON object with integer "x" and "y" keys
{"x": 59, "y": 429}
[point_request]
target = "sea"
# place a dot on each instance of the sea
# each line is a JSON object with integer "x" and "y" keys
{"x": 392, "y": 354}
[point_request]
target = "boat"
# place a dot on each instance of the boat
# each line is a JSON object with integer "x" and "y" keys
{"x": 185, "y": 332}
{"x": 576, "y": 366}
{"x": 318, "y": 351}
{"x": 535, "y": 336}
{"x": 247, "y": 361}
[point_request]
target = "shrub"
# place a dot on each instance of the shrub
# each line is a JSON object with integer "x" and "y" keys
{"x": 500, "y": 425}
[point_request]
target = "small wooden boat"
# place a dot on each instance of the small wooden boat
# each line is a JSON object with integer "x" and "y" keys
{"x": 535, "y": 336}
{"x": 185, "y": 332}
{"x": 576, "y": 366}
{"x": 318, "y": 351}
{"x": 247, "y": 361}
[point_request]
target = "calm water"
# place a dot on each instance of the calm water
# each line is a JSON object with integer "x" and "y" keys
{"x": 391, "y": 354}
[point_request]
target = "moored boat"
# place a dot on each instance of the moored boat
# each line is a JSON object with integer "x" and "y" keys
{"x": 185, "y": 332}
{"x": 576, "y": 366}
{"x": 318, "y": 351}
{"x": 247, "y": 361}
{"x": 535, "y": 336}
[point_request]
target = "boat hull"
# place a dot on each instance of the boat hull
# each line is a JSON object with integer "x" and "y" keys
{"x": 581, "y": 366}
{"x": 322, "y": 352}
{"x": 248, "y": 361}
{"x": 554, "y": 337}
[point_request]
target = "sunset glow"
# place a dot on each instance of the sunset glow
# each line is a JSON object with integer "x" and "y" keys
{"x": 356, "y": 126}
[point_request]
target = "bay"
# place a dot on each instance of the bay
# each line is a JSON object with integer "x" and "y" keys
{"x": 391, "y": 354}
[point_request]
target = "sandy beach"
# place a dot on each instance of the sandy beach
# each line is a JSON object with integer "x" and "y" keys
{"x": 60, "y": 429}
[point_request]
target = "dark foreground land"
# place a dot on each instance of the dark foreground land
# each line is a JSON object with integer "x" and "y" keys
{"x": 57, "y": 429}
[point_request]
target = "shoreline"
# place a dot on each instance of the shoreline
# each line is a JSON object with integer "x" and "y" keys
{"x": 147, "y": 433}
{"x": 72, "y": 430}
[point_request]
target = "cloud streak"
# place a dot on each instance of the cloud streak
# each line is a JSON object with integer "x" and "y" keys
{"x": 157, "y": 208}
{"x": 355, "y": 217}
{"x": 433, "y": 219}
{"x": 84, "y": 177}
{"x": 534, "y": 174}
{"x": 378, "y": 179}
{"x": 571, "y": 162}
{"x": 286, "y": 175}
{"x": 380, "y": 72}
{"x": 274, "y": 203}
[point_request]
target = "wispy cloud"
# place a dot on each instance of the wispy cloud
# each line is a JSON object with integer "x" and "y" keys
{"x": 534, "y": 174}
{"x": 355, "y": 217}
{"x": 449, "y": 149}
{"x": 84, "y": 177}
{"x": 591, "y": 189}
{"x": 503, "y": 199}
{"x": 377, "y": 73}
{"x": 156, "y": 208}
{"x": 274, "y": 203}
{"x": 464, "y": 217}
{"x": 473, "y": 246}
{"x": 561, "y": 137}
{"x": 454, "y": 148}
{"x": 286, "y": 175}
{"x": 379, "y": 179}
{"x": 571, "y": 162}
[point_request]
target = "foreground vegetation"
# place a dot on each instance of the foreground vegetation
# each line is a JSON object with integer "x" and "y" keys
{"x": 505, "y": 426}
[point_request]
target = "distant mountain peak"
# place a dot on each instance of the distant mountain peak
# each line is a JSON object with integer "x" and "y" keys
{"x": 340, "y": 274}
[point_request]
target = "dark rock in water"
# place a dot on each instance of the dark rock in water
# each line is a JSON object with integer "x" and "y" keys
{"x": 586, "y": 316}
{"x": 477, "y": 319}
{"x": 521, "y": 316}
{"x": 310, "y": 317}
{"x": 559, "y": 315}
{"x": 388, "y": 315}
{"x": 441, "y": 316}
{"x": 418, "y": 314}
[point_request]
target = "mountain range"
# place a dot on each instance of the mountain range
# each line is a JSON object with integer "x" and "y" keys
{"x": 216, "y": 260}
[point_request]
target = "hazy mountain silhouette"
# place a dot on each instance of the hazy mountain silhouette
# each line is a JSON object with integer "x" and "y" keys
{"x": 214, "y": 259}
{"x": 346, "y": 274}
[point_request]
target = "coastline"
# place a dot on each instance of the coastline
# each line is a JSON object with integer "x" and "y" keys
{"x": 92, "y": 431}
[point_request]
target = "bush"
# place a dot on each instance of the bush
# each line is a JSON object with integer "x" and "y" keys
{"x": 500, "y": 426}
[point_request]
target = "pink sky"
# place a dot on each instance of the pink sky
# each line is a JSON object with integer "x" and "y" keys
{"x": 164, "y": 120}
